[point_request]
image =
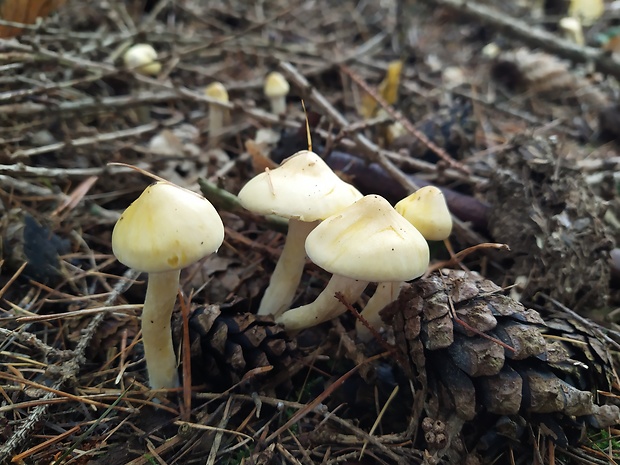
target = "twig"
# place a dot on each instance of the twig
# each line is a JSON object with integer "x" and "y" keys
{"x": 287, "y": 454}
{"x": 8, "y": 183}
{"x": 80, "y": 399}
{"x": 457, "y": 258}
{"x": 20, "y": 168}
{"x": 71, "y": 368}
{"x": 78, "y": 313}
{"x": 379, "y": 417}
{"x": 535, "y": 37}
{"x": 39, "y": 447}
{"x": 90, "y": 429}
{"x": 374, "y": 440}
{"x": 221, "y": 427}
{"x": 88, "y": 105}
{"x": 83, "y": 141}
{"x": 13, "y": 278}
{"x": 34, "y": 342}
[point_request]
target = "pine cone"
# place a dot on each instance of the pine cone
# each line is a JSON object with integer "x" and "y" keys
{"x": 224, "y": 347}
{"x": 549, "y": 377}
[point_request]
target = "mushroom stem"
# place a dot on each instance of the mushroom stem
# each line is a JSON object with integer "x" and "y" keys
{"x": 326, "y": 306}
{"x": 161, "y": 363}
{"x": 217, "y": 116}
{"x": 386, "y": 292}
{"x": 287, "y": 273}
{"x": 278, "y": 105}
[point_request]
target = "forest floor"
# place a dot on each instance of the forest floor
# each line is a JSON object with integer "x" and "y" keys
{"x": 516, "y": 123}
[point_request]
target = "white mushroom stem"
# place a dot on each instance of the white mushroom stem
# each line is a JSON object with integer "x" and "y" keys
{"x": 326, "y": 306}
{"x": 161, "y": 363}
{"x": 287, "y": 273}
{"x": 217, "y": 117}
{"x": 386, "y": 293}
{"x": 278, "y": 104}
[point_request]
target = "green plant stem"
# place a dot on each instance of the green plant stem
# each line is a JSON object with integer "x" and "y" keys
{"x": 224, "y": 200}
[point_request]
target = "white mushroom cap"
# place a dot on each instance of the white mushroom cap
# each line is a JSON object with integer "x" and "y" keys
{"x": 587, "y": 11}
{"x": 369, "y": 241}
{"x": 142, "y": 58}
{"x": 427, "y": 210}
{"x": 166, "y": 228}
{"x": 217, "y": 91}
{"x": 276, "y": 85}
{"x": 302, "y": 188}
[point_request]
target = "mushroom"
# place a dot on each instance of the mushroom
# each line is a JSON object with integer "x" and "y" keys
{"x": 142, "y": 58}
{"x": 426, "y": 209}
{"x": 217, "y": 113}
{"x": 167, "y": 228}
{"x": 368, "y": 241}
{"x": 276, "y": 89}
{"x": 305, "y": 190}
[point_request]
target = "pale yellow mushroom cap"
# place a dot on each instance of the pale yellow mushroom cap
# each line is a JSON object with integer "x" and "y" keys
{"x": 303, "y": 187}
{"x": 587, "y": 11}
{"x": 427, "y": 210}
{"x": 369, "y": 241}
{"x": 142, "y": 58}
{"x": 166, "y": 228}
{"x": 276, "y": 85}
{"x": 217, "y": 91}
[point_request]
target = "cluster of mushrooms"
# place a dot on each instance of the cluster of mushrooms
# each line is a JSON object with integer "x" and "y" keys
{"x": 358, "y": 239}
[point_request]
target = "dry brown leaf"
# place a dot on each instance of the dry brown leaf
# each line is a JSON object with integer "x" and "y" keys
{"x": 260, "y": 161}
{"x": 24, "y": 11}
